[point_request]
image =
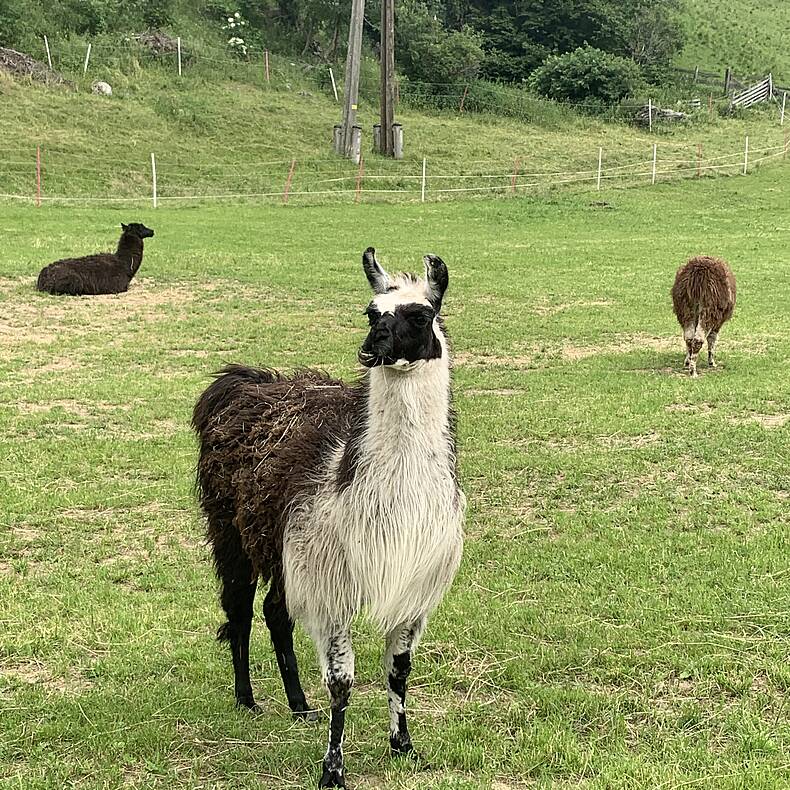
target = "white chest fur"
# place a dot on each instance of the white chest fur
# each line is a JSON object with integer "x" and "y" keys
{"x": 390, "y": 542}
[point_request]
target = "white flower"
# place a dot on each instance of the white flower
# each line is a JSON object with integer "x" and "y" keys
{"x": 237, "y": 15}
{"x": 230, "y": 19}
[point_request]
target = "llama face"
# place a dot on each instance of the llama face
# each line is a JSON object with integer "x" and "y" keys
{"x": 137, "y": 229}
{"x": 405, "y": 331}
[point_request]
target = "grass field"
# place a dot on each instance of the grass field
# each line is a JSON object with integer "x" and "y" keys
{"x": 749, "y": 36}
{"x": 621, "y": 616}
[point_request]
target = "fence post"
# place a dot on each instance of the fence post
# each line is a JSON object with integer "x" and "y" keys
{"x": 266, "y": 63}
{"x": 782, "y": 116}
{"x": 746, "y": 156}
{"x": 356, "y": 144}
{"x": 360, "y": 173}
{"x": 463, "y": 98}
{"x": 334, "y": 84}
{"x": 49, "y": 55}
{"x": 87, "y": 58}
{"x": 696, "y": 74}
{"x": 153, "y": 178}
{"x": 513, "y": 178}
{"x": 650, "y": 114}
{"x": 178, "y": 47}
{"x": 424, "y": 166}
{"x": 655, "y": 155}
{"x": 288, "y": 181}
{"x": 38, "y": 176}
{"x": 600, "y": 162}
{"x": 397, "y": 141}
{"x": 727, "y": 78}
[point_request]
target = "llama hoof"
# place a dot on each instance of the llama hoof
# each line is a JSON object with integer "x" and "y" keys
{"x": 332, "y": 778}
{"x": 249, "y": 704}
{"x": 412, "y": 756}
{"x": 305, "y": 715}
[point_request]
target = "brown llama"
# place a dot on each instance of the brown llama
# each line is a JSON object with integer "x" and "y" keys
{"x": 104, "y": 273}
{"x": 703, "y": 297}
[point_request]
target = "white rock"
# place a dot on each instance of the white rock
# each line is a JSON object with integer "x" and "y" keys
{"x": 101, "y": 88}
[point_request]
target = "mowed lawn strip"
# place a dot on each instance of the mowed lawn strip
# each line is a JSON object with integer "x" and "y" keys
{"x": 622, "y": 614}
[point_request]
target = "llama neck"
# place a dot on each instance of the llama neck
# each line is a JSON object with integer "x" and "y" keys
{"x": 130, "y": 251}
{"x": 404, "y": 408}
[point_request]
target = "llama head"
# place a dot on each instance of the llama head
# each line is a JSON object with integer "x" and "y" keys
{"x": 137, "y": 229}
{"x": 405, "y": 329}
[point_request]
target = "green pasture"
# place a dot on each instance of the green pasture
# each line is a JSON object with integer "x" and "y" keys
{"x": 622, "y": 615}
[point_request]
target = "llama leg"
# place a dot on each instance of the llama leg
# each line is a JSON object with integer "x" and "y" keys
{"x": 336, "y": 657}
{"x": 397, "y": 663}
{"x": 281, "y": 628}
{"x": 238, "y": 593}
{"x": 688, "y": 336}
{"x": 712, "y": 338}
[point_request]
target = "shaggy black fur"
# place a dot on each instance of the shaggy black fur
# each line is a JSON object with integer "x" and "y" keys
{"x": 261, "y": 436}
{"x": 105, "y": 273}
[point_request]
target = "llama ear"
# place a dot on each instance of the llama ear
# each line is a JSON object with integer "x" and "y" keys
{"x": 124, "y": 227}
{"x": 437, "y": 278}
{"x": 379, "y": 279}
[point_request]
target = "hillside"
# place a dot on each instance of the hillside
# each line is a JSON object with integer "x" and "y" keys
{"x": 750, "y": 36}
{"x": 221, "y": 129}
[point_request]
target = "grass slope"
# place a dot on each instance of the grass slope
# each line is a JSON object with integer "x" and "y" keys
{"x": 223, "y": 130}
{"x": 750, "y": 36}
{"x": 620, "y": 618}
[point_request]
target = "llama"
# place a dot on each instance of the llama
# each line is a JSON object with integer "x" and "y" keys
{"x": 343, "y": 497}
{"x": 703, "y": 297}
{"x": 104, "y": 273}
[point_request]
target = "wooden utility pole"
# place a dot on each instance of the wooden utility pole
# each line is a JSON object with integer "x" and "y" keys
{"x": 351, "y": 87}
{"x": 387, "y": 76}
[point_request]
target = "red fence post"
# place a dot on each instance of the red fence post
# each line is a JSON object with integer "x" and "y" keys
{"x": 516, "y": 166}
{"x": 288, "y": 181}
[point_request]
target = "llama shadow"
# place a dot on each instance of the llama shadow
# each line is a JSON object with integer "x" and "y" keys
{"x": 671, "y": 364}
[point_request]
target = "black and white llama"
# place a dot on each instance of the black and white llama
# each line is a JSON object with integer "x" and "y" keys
{"x": 344, "y": 498}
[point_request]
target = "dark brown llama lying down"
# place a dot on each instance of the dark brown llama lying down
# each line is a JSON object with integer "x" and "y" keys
{"x": 340, "y": 498}
{"x": 104, "y": 273}
{"x": 703, "y": 297}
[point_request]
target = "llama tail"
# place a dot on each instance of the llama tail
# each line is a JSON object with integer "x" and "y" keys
{"x": 222, "y": 391}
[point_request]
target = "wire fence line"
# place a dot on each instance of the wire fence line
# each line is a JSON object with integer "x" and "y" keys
{"x": 48, "y": 176}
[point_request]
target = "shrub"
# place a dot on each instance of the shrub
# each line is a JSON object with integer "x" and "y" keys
{"x": 427, "y": 51}
{"x": 586, "y": 75}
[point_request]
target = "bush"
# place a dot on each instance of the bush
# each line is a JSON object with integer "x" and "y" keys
{"x": 586, "y": 75}
{"x": 428, "y": 52}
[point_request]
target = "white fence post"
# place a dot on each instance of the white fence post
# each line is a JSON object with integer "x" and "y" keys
{"x": 87, "y": 58}
{"x": 782, "y": 116}
{"x": 650, "y": 114}
{"x": 600, "y": 162}
{"x": 655, "y": 153}
{"x": 178, "y": 46}
{"x": 334, "y": 84}
{"x": 153, "y": 178}
{"x": 746, "y": 156}
{"x": 49, "y": 55}
{"x": 424, "y": 165}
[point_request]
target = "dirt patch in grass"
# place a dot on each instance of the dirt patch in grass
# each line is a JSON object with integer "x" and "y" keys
{"x": 504, "y": 393}
{"x": 766, "y": 420}
{"x": 545, "y": 309}
{"x": 35, "y": 673}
